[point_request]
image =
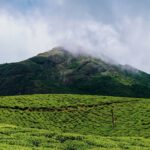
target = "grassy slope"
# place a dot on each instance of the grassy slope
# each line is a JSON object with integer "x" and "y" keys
{"x": 15, "y": 137}
{"x": 74, "y": 122}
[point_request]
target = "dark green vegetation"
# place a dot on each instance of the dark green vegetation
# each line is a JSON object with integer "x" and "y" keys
{"x": 59, "y": 71}
{"x": 74, "y": 122}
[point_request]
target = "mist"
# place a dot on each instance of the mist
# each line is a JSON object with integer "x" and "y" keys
{"x": 78, "y": 26}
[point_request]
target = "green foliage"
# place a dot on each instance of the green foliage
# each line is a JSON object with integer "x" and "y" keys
{"x": 59, "y": 71}
{"x": 74, "y": 122}
{"x": 14, "y": 137}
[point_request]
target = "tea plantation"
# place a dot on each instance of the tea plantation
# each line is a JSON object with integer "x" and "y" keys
{"x": 74, "y": 122}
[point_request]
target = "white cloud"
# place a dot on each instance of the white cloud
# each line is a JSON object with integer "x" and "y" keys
{"x": 135, "y": 34}
{"x": 21, "y": 37}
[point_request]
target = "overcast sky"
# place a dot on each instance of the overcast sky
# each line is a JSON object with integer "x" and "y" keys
{"x": 119, "y": 29}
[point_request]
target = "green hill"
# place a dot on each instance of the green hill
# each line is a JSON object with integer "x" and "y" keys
{"x": 59, "y": 71}
{"x": 74, "y": 122}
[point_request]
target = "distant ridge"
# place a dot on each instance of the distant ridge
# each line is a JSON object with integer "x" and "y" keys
{"x": 60, "y": 71}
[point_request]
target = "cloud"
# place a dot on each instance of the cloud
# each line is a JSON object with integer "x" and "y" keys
{"x": 135, "y": 35}
{"x": 22, "y": 37}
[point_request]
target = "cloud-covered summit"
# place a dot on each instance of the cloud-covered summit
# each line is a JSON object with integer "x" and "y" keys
{"x": 117, "y": 29}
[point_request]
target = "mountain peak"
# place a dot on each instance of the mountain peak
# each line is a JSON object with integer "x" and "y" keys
{"x": 61, "y": 51}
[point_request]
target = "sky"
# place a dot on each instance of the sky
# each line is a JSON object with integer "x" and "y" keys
{"x": 119, "y": 29}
